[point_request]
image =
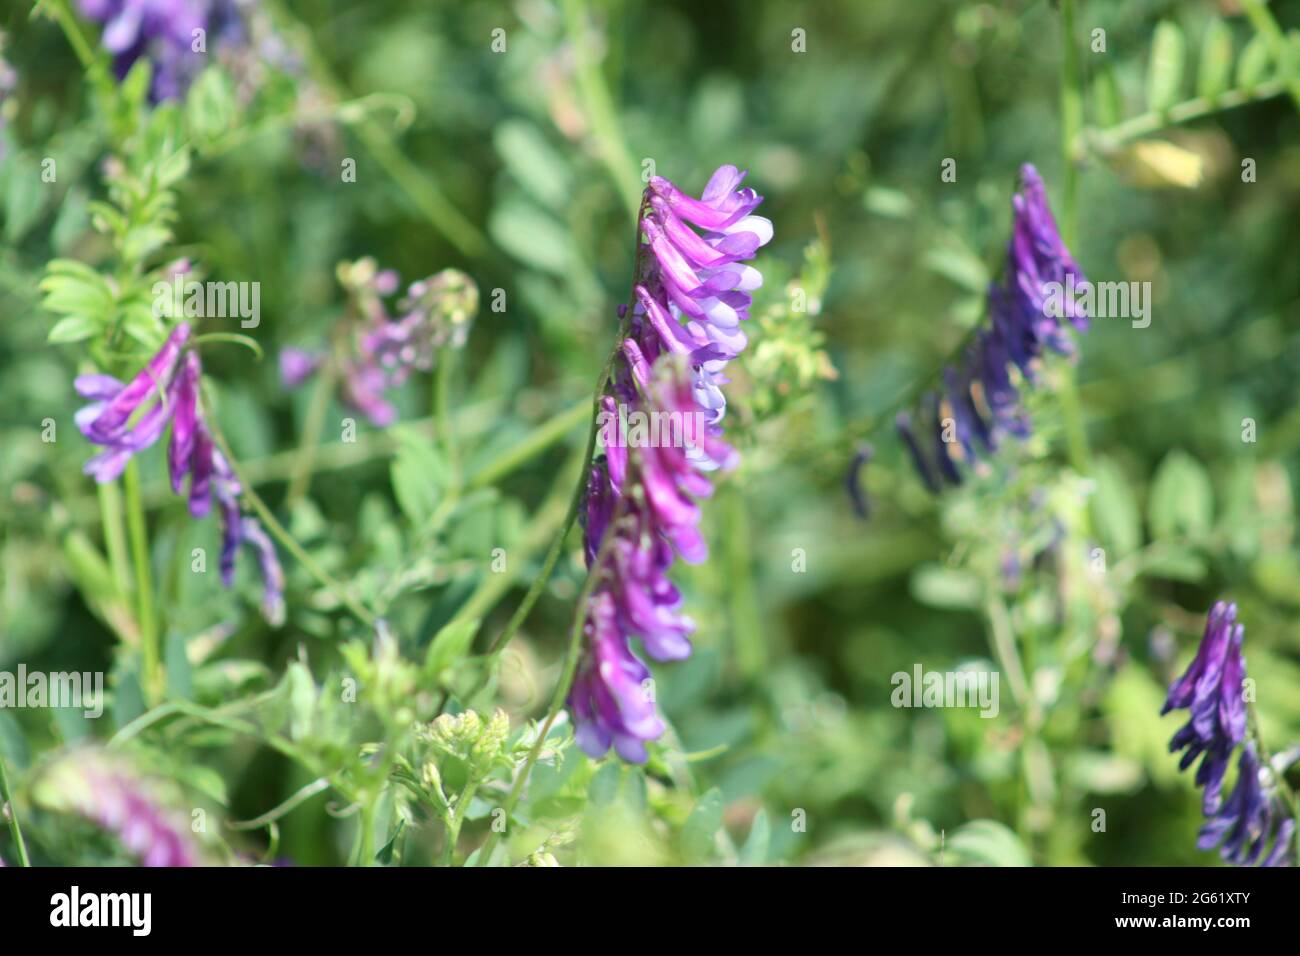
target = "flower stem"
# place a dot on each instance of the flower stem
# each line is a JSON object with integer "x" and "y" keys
{"x": 11, "y": 812}
{"x": 600, "y": 107}
{"x": 279, "y": 532}
{"x": 1071, "y": 123}
{"x": 498, "y": 645}
{"x": 457, "y": 818}
{"x": 564, "y": 685}
{"x": 110, "y": 510}
{"x": 1071, "y": 119}
{"x": 418, "y": 185}
{"x": 305, "y": 460}
{"x": 442, "y": 413}
{"x": 150, "y": 662}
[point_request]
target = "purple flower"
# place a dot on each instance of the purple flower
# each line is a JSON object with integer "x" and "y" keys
{"x": 107, "y": 420}
{"x": 164, "y": 32}
{"x": 1250, "y": 817}
{"x": 380, "y": 352}
{"x": 122, "y": 419}
{"x": 1211, "y": 690}
{"x": 110, "y": 793}
{"x": 979, "y": 401}
{"x": 642, "y": 511}
{"x": 297, "y": 365}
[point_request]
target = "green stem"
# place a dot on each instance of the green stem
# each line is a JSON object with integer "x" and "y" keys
{"x": 600, "y": 107}
{"x": 1071, "y": 119}
{"x": 457, "y": 818}
{"x": 541, "y": 438}
{"x": 1113, "y": 137}
{"x": 7, "y": 804}
{"x": 499, "y": 644}
{"x": 90, "y": 60}
{"x": 110, "y": 510}
{"x": 150, "y": 661}
{"x": 454, "y": 226}
{"x": 305, "y": 460}
{"x": 442, "y": 412}
{"x": 279, "y": 532}
{"x": 1071, "y": 124}
{"x": 563, "y": 687}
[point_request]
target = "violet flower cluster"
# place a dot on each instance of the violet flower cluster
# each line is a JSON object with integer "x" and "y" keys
{"x": 110, "y": 793}
{"x": 163, "y": 31}
{"x": 691, "y": 296}
{"x": 126, "y": 418}
{"x": 1211, "y": 690}
{"x": 374, "y": 351}
{"x": 979, "y": 402}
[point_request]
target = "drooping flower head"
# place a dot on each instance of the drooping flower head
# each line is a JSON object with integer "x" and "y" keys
{"x": 109, "y": 792}
{"x": 978, "y": 402}
{"x": 1251, "y": 817}
{"x": 692, "y": 292}
{"x": 1211, "y": 690}
{"x": 125, "y": 419}
{"x": 374, "y": 351}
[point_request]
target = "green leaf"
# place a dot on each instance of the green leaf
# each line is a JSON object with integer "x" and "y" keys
{"x": 938, "y": 586}
{"x": 532, "y": 236}
{"x": 986, "y": 843}
{"x": 210, "y": 108}
{"x": 418, "y": 476}
{"x": 754, "y": 852}
{"x": 449, "y": 645}
{"x": 1215, "y": 72}
{"x": 539, "y": 168}
{"x": 700, "y": 831}
{"x": 1165, "y": 71}
{"x": 1254, "y": 63}
{"x": 604, "y": 786}
{"x": 74, "y": 328}
{"x": 1115, "y": 510}
{"x": 1181, "y": 502}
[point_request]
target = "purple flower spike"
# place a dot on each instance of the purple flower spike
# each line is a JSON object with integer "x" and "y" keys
{"x": 110, "y": 793}
{"x": 1249, "y": 819}
{"x": 1211, "y": 690}
{"x": 1027, "y": 309}
{"x": 642, "y": 510}
{"x": 175, "y": 374}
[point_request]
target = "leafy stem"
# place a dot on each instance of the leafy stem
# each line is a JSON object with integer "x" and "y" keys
{"x": 282, "y": 535}
{"x": 566, "y": 680}
{"x": 11, "y": 813}
{"x": 150, "y": 661}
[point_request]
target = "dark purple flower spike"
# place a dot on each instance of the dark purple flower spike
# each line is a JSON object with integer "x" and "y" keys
{"x": 979, "y": 401}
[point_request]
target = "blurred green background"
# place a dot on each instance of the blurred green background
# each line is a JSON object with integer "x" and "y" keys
{"x": 518, "y": 167}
